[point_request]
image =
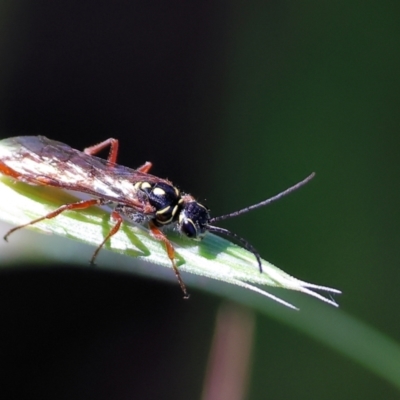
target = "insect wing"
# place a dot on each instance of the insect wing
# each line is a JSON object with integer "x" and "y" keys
{"x": 41, "y": 161}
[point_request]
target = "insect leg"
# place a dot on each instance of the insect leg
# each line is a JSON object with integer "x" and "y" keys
{"x": 157, "y": 234}
{"x": 8, "y": 171}
{"x": 117, "y": 217}
{"x": 112, "y": 156}
{"x": 145, "y": 168}
{"x": 71, "y": 206}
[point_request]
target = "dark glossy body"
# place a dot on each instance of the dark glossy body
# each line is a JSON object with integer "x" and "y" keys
{"x": 134, "y": 193}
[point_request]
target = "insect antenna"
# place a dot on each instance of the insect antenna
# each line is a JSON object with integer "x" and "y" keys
{"x": 245, "y": 243}
{"x": 265, "y": 202}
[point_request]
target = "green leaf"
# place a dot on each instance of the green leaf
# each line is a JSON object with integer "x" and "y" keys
{"x": 213, "y": 257}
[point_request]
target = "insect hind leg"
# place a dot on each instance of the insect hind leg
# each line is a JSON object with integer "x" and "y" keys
{"x": 80, "y": 205}
{"x": 112, "y": 155}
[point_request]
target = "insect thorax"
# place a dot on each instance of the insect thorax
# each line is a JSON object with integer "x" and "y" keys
{"x": 166, "y": 200}
{"x": 173, "y": 207}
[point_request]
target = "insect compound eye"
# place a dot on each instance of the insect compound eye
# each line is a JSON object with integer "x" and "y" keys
{"x": 188, "y": 228}
{"x": 193, "y": 220}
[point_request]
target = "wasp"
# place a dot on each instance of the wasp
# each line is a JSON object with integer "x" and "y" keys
{"x": 133, "y": 194}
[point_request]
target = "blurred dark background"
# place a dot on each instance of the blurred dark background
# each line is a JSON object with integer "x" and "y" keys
{"x": 234, "y": 101}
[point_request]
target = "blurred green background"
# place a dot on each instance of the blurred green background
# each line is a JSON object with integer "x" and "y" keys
{"x": 233, "y": 101}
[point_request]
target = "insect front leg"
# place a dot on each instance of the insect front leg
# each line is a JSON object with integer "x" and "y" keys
{"x": 157, "y": 234}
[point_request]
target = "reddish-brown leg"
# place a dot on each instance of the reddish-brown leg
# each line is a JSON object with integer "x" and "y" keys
{"x": 72, "y": 206}
{"x": 76, "y": 206}
{"x": 145, "y": 168}
{"x": 112, "y": 155}
{"x": 157, "y": 234}
{"x": 8, "y": 171}
{"x": 117, "y": 217}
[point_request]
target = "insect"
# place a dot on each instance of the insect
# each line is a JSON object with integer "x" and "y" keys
{"x": 133, "y": 193}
